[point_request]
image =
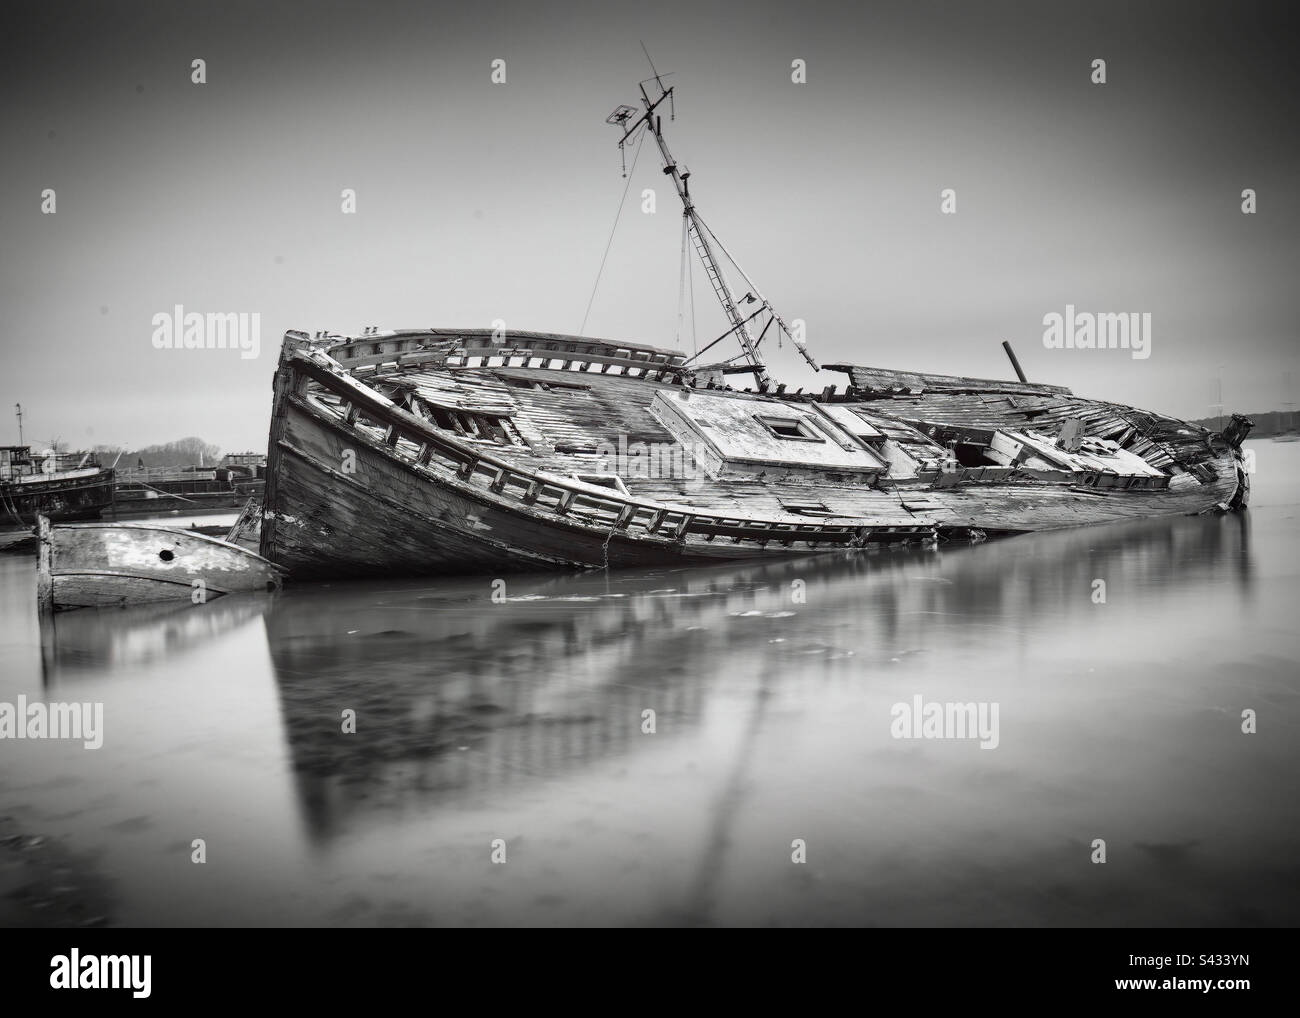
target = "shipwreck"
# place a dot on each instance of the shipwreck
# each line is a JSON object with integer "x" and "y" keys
{"x": 467, "y": 450}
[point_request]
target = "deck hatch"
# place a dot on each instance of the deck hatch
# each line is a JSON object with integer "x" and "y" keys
{"x": 791, "y": 428}
{"x": 730, "y": 435}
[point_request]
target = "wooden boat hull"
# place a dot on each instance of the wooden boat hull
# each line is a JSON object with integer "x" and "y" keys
{"x": 118, "y": 564}
{"x": 401, "y": 497}
{"x": 58, "y": 499}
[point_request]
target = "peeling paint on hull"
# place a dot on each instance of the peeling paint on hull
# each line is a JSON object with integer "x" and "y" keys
{"x": 96, "y": 565}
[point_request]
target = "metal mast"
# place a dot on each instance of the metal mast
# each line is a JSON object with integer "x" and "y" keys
{"x": 623, "y": 117}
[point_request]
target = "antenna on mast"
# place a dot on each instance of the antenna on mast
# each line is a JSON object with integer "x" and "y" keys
{"x": 651, "y": 63}
{"x": 626, "y": 118}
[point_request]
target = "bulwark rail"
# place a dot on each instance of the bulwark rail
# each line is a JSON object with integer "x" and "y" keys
{"x": 647, "y": 367}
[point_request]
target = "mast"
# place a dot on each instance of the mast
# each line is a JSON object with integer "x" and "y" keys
{"x": 701, "y": 236}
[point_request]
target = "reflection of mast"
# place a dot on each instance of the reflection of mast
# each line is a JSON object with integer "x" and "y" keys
{"x": 703, "y": 238}
{"x": 702, "y": 893}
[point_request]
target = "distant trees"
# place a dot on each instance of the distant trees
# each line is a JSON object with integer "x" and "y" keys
{"x": 1267, "y": 424}
{"x": 183, "y": 451}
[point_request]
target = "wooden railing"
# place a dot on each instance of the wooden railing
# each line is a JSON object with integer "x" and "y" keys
{"x": 528, "y": 357}
{"x": 167, "y": 474}
{"x": 392, "y": 347}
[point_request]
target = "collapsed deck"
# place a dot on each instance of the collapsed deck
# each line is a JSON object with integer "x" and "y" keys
{"x": 444, "y": 451}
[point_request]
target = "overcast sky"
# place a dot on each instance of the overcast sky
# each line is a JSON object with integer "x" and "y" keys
{"x": 479, "y": 201}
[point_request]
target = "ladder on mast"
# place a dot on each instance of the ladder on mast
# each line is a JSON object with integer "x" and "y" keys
{"x": 723, "y": 292}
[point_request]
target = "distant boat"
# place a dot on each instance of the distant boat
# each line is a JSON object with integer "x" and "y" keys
{"x": 471, "y": 450}
{"x": 59, "y": 486}
{"x": 84, "y": 565}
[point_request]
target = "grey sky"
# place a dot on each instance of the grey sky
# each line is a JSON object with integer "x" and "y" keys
{"x": 479, "y": 201}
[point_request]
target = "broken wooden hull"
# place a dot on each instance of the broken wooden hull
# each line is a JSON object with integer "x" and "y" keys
{"x": 391, "y": 517}
{"x": 118, "y": 564}
{"x": 465, "y": 458}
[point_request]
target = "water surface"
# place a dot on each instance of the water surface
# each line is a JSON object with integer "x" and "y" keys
{"x": 772, "y": 688}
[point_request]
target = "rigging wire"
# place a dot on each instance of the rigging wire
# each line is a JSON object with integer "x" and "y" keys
{"x": 753, "y": 290}
{"x": 681, "y": 287}
{"x": 743, "y": 275}
{"x": 618, "y": 215}
{"x": 690, "y": 273}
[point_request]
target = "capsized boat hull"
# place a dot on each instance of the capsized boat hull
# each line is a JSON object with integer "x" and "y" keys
{"x": 360, "y": 484}
{"x": 96, "y": 565}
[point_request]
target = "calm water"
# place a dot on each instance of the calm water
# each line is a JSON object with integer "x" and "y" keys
{"x": 523, "y": 721}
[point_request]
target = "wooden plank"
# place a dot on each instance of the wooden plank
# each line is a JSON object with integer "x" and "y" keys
{"x": 884, "y": 380}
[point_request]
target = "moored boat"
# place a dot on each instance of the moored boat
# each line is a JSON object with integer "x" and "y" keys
{"x": 59, "y": 486}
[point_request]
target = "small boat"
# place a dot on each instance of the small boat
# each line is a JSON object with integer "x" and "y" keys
{"x": 96, "y": 565}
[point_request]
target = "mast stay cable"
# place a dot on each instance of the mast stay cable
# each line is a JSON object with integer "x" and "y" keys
{"x": 609, "y": 243}
{"x": 681, "y": 286}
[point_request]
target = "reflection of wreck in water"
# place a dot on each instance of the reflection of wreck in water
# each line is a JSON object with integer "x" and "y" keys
{"x": 890, "y": 605}
{"x": 456, "y": 697}
{"x": 1056, "y": 572}
{"x": 459, "y": 699}
{"x": 81, "y": 645}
